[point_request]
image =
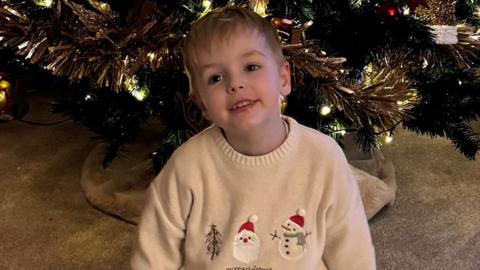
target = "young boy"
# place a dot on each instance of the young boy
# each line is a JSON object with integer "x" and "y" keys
{"x": 256, "y": 190}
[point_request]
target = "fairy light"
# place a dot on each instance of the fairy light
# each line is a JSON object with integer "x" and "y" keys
{"x": 325, "y": 110}
{"x": 151, "y": 56}
{"x": 206, "y": 4}
{"x": 307, "y": 24}
{"x": 389, "y": 138}
{"x": 140, "y": 94}
{"x": 131, "y": 84}
{"x": 44, "y": 3}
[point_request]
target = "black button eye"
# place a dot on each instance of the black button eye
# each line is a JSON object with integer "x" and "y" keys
{"x": 294, "y": 229}
{"x": 249, "y": 237}
{"x": 241, "y": 238}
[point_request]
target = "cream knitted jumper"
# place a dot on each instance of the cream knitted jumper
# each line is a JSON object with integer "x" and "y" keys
{"x": 297, "y": 207}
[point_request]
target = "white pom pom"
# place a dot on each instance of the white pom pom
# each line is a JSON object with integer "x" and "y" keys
{"x": 253, "y": 218}
{"x": 301, "y": 212}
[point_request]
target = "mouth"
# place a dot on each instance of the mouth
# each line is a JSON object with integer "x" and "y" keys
{"x": 242, "y": 104}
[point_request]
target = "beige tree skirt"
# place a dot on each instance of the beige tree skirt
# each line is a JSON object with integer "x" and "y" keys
{"x": 120, "y": 189}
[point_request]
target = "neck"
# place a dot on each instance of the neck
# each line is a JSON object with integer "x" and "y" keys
{"x": 259, "y": 142}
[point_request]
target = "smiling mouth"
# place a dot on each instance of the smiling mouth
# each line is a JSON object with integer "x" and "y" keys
{"x": 242, "y": 104}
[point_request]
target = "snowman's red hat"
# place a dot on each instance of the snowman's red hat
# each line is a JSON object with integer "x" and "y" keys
{"x": 298, "y": 218}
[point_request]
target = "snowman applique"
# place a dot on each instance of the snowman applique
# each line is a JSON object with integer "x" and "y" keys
{"x": 292, "y": 244}
{"x": 246, "y": 244}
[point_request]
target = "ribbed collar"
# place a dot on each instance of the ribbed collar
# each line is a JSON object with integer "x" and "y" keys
{"x": 262, "y": 160}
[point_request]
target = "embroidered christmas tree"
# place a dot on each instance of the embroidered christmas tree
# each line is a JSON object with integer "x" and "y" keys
{"x": 213, "y": 241}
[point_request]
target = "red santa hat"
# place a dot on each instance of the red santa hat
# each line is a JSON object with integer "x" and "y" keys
{"x": 249, "y": 224}
{"x": 298, "y": 218}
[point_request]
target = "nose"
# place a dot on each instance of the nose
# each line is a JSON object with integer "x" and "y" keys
{"x": 245, "y": 240}
{"x": 235, "y": 85}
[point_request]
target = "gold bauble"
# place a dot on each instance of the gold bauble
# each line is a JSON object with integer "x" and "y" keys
{"x": 276, "y": 22}
{"x": 6, "y": 99}
{"x": 3, "y": 101}
{"x": 5, "y": 86}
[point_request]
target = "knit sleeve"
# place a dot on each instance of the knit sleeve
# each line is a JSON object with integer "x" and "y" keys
{"x": 348, "y": 243}
{"x": 161, "y": 230}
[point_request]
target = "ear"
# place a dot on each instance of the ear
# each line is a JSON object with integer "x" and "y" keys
{"x": 285, "y": 79}
{"x": 198, "y": 101}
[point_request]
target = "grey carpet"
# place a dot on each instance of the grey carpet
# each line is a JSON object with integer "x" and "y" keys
{"x": 46, "y": 222}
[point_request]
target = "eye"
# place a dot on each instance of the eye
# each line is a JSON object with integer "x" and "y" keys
{"x": 215, "y": 78}
{"x": 252, "y": 67}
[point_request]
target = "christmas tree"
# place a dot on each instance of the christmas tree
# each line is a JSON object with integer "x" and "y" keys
{"x": 365, "y": 67}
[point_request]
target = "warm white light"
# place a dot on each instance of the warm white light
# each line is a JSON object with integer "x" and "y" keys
{"x": 44, "y": 3}
{"x": 151, "y": 56}
{"x": 388, "y": 139}
{"x": 206, "y": 4}
{"x": 139, "y": 94}
{"x": 307, "y": 24}
{"x": 325, "y": 110}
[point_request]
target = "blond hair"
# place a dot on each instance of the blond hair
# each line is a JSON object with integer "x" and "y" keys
{"x": 222, "y": 22}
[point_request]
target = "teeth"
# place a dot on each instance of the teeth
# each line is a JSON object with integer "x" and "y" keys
{"x": 241, "y": 104}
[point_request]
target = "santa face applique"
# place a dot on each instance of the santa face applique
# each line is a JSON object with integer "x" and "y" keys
{"x": 292, "y": 243}
{"x": 246, "y": 245}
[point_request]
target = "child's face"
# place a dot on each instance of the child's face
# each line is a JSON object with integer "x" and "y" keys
{"x": 238, "y": 83}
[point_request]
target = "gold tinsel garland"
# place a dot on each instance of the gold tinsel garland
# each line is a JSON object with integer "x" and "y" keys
{"x": 467, "y": 51}
{"x": 438, "y": 12}
{"x": 92, "y": 44}
{"x": 382, "y": 99}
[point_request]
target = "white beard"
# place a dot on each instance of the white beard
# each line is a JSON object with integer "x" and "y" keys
{"x": 246, "y": 253}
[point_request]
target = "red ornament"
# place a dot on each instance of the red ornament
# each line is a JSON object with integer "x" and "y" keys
{"x": 389, "y": 11}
